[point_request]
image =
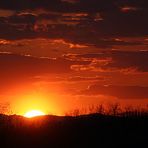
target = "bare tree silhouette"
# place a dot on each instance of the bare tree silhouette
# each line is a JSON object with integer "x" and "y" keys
{"x": 5, "y": 108}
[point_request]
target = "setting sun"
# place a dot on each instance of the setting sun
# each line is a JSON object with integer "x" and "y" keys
{"x": 34, "y": 113}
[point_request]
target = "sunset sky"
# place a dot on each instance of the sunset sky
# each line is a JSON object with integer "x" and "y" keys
{"x": 59, "y": 55}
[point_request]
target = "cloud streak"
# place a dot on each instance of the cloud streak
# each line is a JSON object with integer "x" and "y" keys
{"x": 121, "y": 92}
{"x": 114, "y": 61}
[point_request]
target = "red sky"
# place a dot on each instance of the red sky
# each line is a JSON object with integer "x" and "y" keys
{"x": 60, "y": 55}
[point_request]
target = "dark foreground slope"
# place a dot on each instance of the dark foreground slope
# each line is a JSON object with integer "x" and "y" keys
{"x": 93, "y": 131}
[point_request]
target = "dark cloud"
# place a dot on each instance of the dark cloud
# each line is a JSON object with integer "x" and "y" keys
{"x": 82, "y": 78}
{"x": 115, "y": 60}
{"x": 25, "y": 19}
{"x": 121, "y": 92}
{"x": 127, "y": 59}
{"x": 52, "y": 5}
{"x": 80, "y": 21}
{"x": 71, "y": 5}
{"x": 17, "y": 67}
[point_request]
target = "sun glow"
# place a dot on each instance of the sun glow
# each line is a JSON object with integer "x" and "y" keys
{"x": 39, "y": 103}
{"x": 33, "y": 113}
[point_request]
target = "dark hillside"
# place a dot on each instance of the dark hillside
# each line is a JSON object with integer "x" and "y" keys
{"x": 73, "y": 132}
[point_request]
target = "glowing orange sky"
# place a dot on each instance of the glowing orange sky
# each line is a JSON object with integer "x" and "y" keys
{"x": 71, "y": 54}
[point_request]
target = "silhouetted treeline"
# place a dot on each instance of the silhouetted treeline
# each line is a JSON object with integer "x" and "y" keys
{"x": 84, "y": 131}
{"x": 114, "y": 109}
